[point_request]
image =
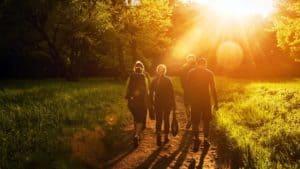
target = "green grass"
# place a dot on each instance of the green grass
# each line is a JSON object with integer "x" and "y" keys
{"x": 39, "y": 118}
{"x": 59, "y": 124}
{"x": 261, "y": 120}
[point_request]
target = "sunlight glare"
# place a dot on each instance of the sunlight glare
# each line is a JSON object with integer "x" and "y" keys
{"x": 237, "y": 8}
{"x": 188, "y": 43}
{"x": 229, "y": 55}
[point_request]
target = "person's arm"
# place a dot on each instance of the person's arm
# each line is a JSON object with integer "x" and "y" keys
{"x": 172, "y": 95}
{"x": 151, "y": 92}
{"x": 213, "y": 90}
{"x": 188, "y": 87}
{"x": 150, "y": 99}
{"x": 148, "y": 79}
{"x": 128, "y": 88}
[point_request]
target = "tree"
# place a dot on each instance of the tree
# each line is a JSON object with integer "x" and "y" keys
{"x": 146, "y": 29}
{"x": 67, "y": 35}
{"x": 287, "y": 26}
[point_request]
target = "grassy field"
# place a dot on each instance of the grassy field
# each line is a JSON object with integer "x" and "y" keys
{"x": 259, "y": 120}
{"x": 59, "y": 124}
{"x": 45, "y": 124}
{"x": 262, "y": 120}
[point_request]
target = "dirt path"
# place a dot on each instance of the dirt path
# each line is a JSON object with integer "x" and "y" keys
{"x": 176, "y": 154}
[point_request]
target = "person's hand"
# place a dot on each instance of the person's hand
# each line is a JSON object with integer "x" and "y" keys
{"x": 216, "y": 107}
{"x": 128, "y": 98}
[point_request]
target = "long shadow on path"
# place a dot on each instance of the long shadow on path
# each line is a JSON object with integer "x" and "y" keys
{"x": 147, "y": 163}
{"x": 164, "y": 162}
{"x": 202, "y": 157}
{"x": 126, "y": 149}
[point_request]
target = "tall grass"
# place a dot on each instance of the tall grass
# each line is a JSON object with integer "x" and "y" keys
{"x": 39, "y": 118}
{"x": 261, "y": 120}
{"x": 58, "y": 124}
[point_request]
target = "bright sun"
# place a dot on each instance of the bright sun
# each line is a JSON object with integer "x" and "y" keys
{"x": 237, "y": 8}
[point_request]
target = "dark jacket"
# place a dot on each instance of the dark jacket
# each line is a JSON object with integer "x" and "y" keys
{"x": 200, "y": 82}
{"x": 162, "y": 93}
{"x": 137, "y": 91}
{"x": 185, "y": 69}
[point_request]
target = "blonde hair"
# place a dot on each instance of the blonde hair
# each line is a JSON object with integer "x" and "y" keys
{"x": 190, "y": 56}
{"x": 162, "y": 66}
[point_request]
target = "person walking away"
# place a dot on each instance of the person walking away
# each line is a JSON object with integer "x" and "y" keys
{"x": 190, "y": 64}
{"x": 163, "y": 99}
{"x": 200, "y": 88}
{"x": 136, "y": 95}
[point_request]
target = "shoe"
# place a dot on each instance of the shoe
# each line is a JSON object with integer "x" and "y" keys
{"x": 196, "y": 145}
{"x": 166, "y": 139}
{"x": 188, "y": 125}
{"x": 158, "y": 140}
{"x": 192, "y": 164}
{"x": 136, "y": 141}
{"x": 206, "y": 142}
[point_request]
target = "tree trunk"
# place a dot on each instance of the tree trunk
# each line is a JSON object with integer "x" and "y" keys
{"x": 121, "y": 66}
{"x": 53, "y": 51}
{"x": 134, "y": 50}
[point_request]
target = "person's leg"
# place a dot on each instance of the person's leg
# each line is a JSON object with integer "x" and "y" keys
{"x": 195, "y": 128}
{"x": 145, "y": 121}
{"x": 187, "y": 112}
{"x": 195, "y": 117}
{"x": 166, "y": 124}
{"x": 206, "y": 124}
{"x": 159, "y": 118}
{"x": 136, "y": 128}
{"x": 188, "y": 116}
{"x": 139, "y": 129}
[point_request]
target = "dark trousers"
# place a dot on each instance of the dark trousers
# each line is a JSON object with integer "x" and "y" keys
{"x": 199, "y": 113}
{"x": 162, "y": 116}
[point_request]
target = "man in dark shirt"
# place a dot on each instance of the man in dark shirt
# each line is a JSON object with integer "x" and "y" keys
{"x": 200, "y": 88}
{"x": 163, "y": 99}
{"x": 189, "y": 65}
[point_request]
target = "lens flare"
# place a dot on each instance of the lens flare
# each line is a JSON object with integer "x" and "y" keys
{"x": 229, "y": 55}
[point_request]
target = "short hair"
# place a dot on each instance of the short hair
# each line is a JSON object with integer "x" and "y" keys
{"x": 190, "y": 56}
{"x": 161, "y": 66}
{"x": 202, "y": 61}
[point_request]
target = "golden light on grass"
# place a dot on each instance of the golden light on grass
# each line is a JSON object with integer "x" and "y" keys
{"x": 229, "y": 55}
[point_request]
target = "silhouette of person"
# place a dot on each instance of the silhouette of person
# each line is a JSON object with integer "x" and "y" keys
{"x": 137, "y": 97}
{"x": 163, "y": 99}
{"x": 200, "y": 89}
{"x": 190, "y": 64}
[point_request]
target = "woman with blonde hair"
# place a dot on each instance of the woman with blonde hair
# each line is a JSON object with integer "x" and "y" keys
{"x": 163, "y": 100}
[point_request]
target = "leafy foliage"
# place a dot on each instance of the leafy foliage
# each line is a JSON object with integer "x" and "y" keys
{"x": 287, "y": 26}
{"x": 73, "y": 34}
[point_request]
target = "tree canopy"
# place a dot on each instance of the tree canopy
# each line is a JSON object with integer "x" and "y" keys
{"x": 287, "y": 26}
{"x": 70, "y": 36}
